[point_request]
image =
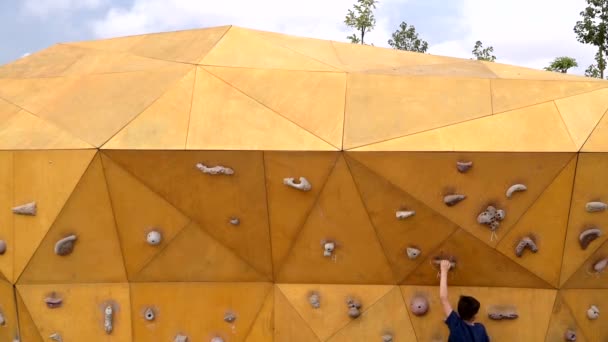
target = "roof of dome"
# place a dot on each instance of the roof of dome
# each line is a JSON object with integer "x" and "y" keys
{"x": 230, "y": 88}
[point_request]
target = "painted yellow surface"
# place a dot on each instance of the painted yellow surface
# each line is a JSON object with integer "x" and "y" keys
{"x": 96, "y": 256}
{"x": 400, "y": 106}
{"x": 196, "y": 310}
{"x": 27, "y": 328}
{"x": 119, "y": 44}
{"x": 288, "y": 208}
{"x": 138, "y": 210}
{"x": 582, "y": 113}
{"x": 598, "y": 140}
{"x": 8, "y": 309}
{"x": 533, "y": 306}
{"x": 562, "y": 319}
{"x": 34, "y": 94}
{"x": 50, "y": 62}
{"x": 163, "y": 125}
{"x": 332, "y": 315}
{"x": 6, "y": 216}
{"x": 338, "y": 216}
{"x": 319, "y": 110}
{"x": 289, "y": 325}
{"x": 262, "y": 329}
{"x": 48, "y": 178}
{"x": 546, "y": 221}
{"x": 456, "y": 68}
{"x": 580, "y": 301}
{"x": 521, "y": 73}
{"x": 586, "y": 277}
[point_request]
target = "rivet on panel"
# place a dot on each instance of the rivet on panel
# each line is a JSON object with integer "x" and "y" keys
{"x": 65, "y": 246}
{"x": 53, "y": 301}
{"x": 593, "y": 207}
{"x": 154, "y": 237}
{"x": 2, "y": 247}
{"x": 108, "y": 319}
{"x": 403, "y": 214}
{"x": 56, "y": 337}
{"x": 229, "y": 317}
{"x": 587, "y": 236}
{"x": 180, "y": 338}
{"x": 26, "y": 209}
{"x": 419, "y": 305}
{"x": 515, "y": 188}
{"x": 412, "y": 252}
{"x": 235, "y": 221}
{"x": 570, "y": 335}
{"x": 314, "y": 299}
{"x": 328, "y": 247}
{"x": 354, "y": 307}
{"x": 453, "y": 199}
{"x": 302, "y": 184}
{"x": 149, "y": 314}
{"x": 593, "y": 312}
{"x": 526, "y": 242}
{"x": 215, "y": 170}
{"x": 464, "y": 166}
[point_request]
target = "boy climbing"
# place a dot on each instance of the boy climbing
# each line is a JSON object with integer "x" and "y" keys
{"x": 462, "y": 325}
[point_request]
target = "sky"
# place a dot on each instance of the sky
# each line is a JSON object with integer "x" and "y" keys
{"x": 528, "y": 33}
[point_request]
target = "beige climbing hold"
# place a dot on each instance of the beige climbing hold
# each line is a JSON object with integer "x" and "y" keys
{"x": 154, "y": 237}
{"x": 2, "y": 247}
{"x": 387, "y": 338}
{"x": 180, "y": 338}
{"x": 570, "y": 335}
{"x": 215, "y": 170}
{"x": 587, "y": 236}
{"x": 403, "y": 214}
{"x": 315, "y": 300}
{"x": 464, "y": 166}
{"x": 26, "y": 209}
{"x": 593, "y": 312}
{"x": 491, "y": 217}
{"x": 217, "y": 339}
{"x": 328, "y": 248}
{"x": 354, "y": 308}
{"x": 525, "y": 242}
{"x": 56, "y": 337}
{"x": 600, "y": 265}
{"x": 52, "y": 301}
{"x": 108, "y": 323}
{"x": 437, "y": 262}
{"x": 235, "y": 221}
{"x": 419, "y": 305}
{"x": 65, "y": 246}
{"x": 593, "y": 207}
{"x": 302, "y": 184}
{"x": 515, "y": 188}
{"x": 499, "y": 315}
{"x": 149, "y": 314}
{"x": 2, "y": 319}
{"x": 412, "y": 252}
{"x": 453, "y": 199}
{"x": 229, "y": 317}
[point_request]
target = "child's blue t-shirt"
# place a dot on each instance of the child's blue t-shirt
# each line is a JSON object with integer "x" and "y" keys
{"x": 460, "y": 331}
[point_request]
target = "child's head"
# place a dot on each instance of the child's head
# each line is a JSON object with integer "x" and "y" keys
{"x": 467, "y": 307}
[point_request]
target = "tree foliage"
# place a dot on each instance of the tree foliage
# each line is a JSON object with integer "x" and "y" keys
{"x": 406, "y": 38}
{"x": 562, "y": 64}
{"x": 593, "y": 29}
{"x": 361, "y": 18}
{"x": 483, "y": 54}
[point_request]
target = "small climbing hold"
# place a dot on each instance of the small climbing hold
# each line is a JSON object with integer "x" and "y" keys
{"x": 498, "y": 316}
{"x": 593, "y": 207}
{"x": 229, "y": 317}
{"x": 491, "y": 217}
{"x": 25, "y": 209}
{"x": 525, "y": 242}
{"x": 217, "y": 339}
{"x": 387, "y": 338}
{"x": 570, "y": 335}
{"x": 515, "y": 188}
{"x": 464, "y": 166}
{"x": 593, "y": 312}
{"x": 180, "y": 338}
{"x": 403, "y": 214}
{"x": 314, "y": 299}
{"x": 154, "y": 238}
{"x": 328, "y": 248}
{"x": 149, "y": 314}
{"x": 2, "y": 319}
{"x": 601, "y": 265}
{"x": 453, "y": 199}
{"x": 53, "y": 301}
{"x": 2, "y": 247}
{"x": 353, "y": 308}
{"x": 303, "y": 184}
{"x": 65, "y": 246}
{"x": 419, "y": 305}
{"x": 235, "y": 221}
{"x": 215, "y": 170}
{"x": 108, "y": 319}
{"x": 56, "y": 337}
{"x": 16, "y": 338}
{"x": 412, "y": 252}
{"x": 587, "y": 236}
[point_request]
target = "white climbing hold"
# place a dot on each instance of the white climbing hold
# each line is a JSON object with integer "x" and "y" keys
{"x": 26, "y": 209}
{"x": 303, "y": 184}
{"x": 328, "y": 248}
{"x": 453, "y": 199}
{"x": 403, "y": 214}
{"x": 53, "y": 301}
{"x": 464, "y": 166}
{"x": 387, "y": 338}
{"x": 587, "y": 236}
{"x": 2, "y": 247}
{"x": 526, "y": 242}
{"x": 65, "y": 246}
{"x": 235, "y": 221}
{"x": 180, "y": 338}
{"x": 593, "y": 312}
{"x": 354, "y": 307}
{"x": 149, "y": 314}
{"x": 217, "y": 339}
{"x": 154, "y": 237}
{"x": 56, "y": 337}
{"x": 412, "y": 252}
{"x": 515, "y": 188}
{"x": 419, "y": 305}
{"x": 2, "y": 319}
{"x": 315, "y": 300}
{"x": 229, "y": 317}
{"x": 601, "y": 265}
{"x": 215, "y": 170}
{"x": 570, "y": 335}
{"x": 108, "y": 319}
{"x": 593, "y": 207}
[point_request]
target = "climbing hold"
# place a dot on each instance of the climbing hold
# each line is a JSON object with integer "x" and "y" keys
{"x": 587, "y": 236}
{"x": 2, "y": 319}
{"x": 419, "y": 305}
{"x": 52, "y": 301}
{"x": 601, "y": 265}
{"x": 154, "y": 238}
{"x": 453, "y": 199}
{"x": 403, "y": 214}
{"x": 506, "y": 315}
{"x": 593, "y": 312}
{"x": 464, "y": 166}
{"x": 217, "y": 339}
{"x": 65, "y": 246}
{"x": 149, "y": 314}
{"x": 353, "y": 308}
{"x": 412, "y": 252}
{"x": 215, "y": 170}
{"x": 229, "y": 317}
{"x": 387, "y": 338}
{"x": 515, "y": 188}
{"x": 56, "y": 337}
{"x": 180, "y": 338}
{"x": 25, "y": 209}
{"x": 2, "y": 247}
{"x": 328, "y": 248}
{"x": 235, "y": 221}
{"x": 525, "y": 242}
{"x": 491, "y": 217}
{"x": 108, "y": 319}
{"x": 437, "y": 261}
{"x": 570, "y": 335}
{"x": 593, "y": 207}
{"x": 16, "y": 339}
{"x": 303, "y": 184}
{"x": 314, "y": 299}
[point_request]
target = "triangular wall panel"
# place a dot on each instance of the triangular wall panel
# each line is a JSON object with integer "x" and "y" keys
{"x": 6, "y": 216}
{"x": 289, "y": 325}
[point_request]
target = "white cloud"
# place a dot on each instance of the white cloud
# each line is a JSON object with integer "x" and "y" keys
{"x": 44, "y": 8}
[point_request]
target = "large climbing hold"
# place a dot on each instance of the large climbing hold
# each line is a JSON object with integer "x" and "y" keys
{"x": 108, "y": 322}
{"x": 593, "y": 207}
{"x": 302, "y": 184}
{"x": 570, "y": 335}
{"x": 215, "y": 170}
{"x": 403, "y": 214}
{"x": 526, "y": 242}
{"x": 600, "y": 265}
{"x": 587, "y": 236}
{"x": 464, "y": 166}
{"x": 65, "y": 246}
{"x": 491, "y": 217}
{"x": 437, "y": 261}
{"x": 419, "y": 305}
{"x": 28, "y": 209}
{"x": 498, "y": 315}
{"x": 354, "y": 308}
{"x": 453, "y": 199}
{"x": 593, "y": 312}
{"x": 515, "y": 188}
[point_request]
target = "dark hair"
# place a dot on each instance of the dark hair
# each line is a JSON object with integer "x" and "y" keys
{"x": 467, "y": 307}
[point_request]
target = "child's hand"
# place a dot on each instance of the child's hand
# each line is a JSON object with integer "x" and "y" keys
{"x": 445, "y": 265}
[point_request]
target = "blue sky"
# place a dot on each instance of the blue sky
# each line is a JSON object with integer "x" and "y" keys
{"x": 523, "y": 32}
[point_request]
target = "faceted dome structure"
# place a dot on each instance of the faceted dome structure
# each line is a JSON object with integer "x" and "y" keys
{"x": 250, "y": 186}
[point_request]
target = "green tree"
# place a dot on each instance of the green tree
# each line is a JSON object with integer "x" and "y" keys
{"x": 406, "y": 38}
{"x": 593, "y": 29}
{"x": 593, "y": 71}
{"x": 362, "y": 19}
{"x": 483, "y": 54}
{"x": 562, "y": 64}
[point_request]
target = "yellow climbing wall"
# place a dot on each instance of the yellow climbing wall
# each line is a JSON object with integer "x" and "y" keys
{"x": 227, "y": 184}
